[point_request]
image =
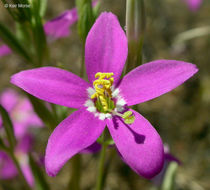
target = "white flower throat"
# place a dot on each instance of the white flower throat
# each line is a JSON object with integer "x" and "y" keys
{"x": 105, "y": 101}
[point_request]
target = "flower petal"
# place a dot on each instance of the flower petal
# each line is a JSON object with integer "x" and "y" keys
{"x": 27, "y": 173}
{"x": 106, "y": 47}
{"x": 193, "y": 5}
{"x": 7, "y": 168}
{"x": 25, "y": 144}
{"x": 75, "y": 133}
{"x": 153, "y": 79}
{"x": 139, "y": 145}
{"x": 5, "y": 50}
{"x": 60, "y": 26}
{"x": 9, "y": 99}
{"x": 24, "y": 118}
{"x": 53, "y": 85}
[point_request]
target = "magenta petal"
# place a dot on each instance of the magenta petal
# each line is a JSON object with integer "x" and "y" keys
{"x": 60, "y": 26}
{"x": 9, "y": 99}
{"x": 27, "y": 174}
{"x": 153, "y": 79}
{"x": 7, "y": 168}
{"x": 25, "y": 144}
{"x": 4, "y": 50}
{"x": 106, "y": 47}
{"x": 139, "y": 145}
{"x": 193, "y": 5}
{"x": 75, "y": 133}
{"x": 24, "y": 118}
{"x": 53, "y": 85}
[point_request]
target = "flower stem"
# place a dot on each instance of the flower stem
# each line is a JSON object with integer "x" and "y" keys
{"x": 26, "y": 186}
{"x": 74, "y": 182}
{"x": 99, "y": 183}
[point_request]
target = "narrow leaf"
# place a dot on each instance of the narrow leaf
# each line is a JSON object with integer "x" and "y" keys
{"x": 7, "y": 123}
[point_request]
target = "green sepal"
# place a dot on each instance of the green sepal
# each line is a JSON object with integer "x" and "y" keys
{"x": 8, "y": 126}
{"x": 40, "y": 181}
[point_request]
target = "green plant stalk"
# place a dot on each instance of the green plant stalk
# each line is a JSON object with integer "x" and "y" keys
{"x": 14, "y": 159}
{"x": 82, "y": 67}
{"x": 135, "y": 28}
{"x": 100, "y": 178}
{"x": 74, "y": 183}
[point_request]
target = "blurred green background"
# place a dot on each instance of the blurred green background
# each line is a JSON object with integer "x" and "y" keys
{"x": 182, "y": 117}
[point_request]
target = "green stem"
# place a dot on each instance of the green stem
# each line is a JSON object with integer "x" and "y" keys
{"x": 26, "y": 186}
{"x": 74, "y": 183}
{"x": 82, "y": 67}
{"x": 99, "y": 183}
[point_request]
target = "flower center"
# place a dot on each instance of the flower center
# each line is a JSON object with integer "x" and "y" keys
{"x": 106, "y": 100}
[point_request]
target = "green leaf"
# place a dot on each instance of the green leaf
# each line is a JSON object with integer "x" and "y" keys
{"x": 43, "y": 7}
{"x": 45, "y": 115}
{"x": 2, "y": 145}
{"x": 38, "y": 34}
{"x": 13, "y": 42}
{"x": 40, "y": 181}
{"x": 7, "y": 123}
{"x": 23, "y": 34}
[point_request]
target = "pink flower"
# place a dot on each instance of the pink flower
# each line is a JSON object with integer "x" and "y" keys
{"x": 104, "y": 101}
{"x": 20, "y": 111}
{"x": 193, "y": 5}
{"x": 7, "y": 167}
{"x": 23, "y": 117}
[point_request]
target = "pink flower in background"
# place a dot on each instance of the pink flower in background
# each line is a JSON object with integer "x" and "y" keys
{"x": 193, "y": 5}
{"x": 7, "y": 167}
{"x": 105, "y": 105}
{"x": 23, "y": 117}
{"x": 5, "y": 50}
{"x": 60, "y": 26}
{"x": 20, "y": 111}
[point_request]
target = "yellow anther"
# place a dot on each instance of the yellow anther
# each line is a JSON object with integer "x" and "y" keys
{"x": 103, "y": 87}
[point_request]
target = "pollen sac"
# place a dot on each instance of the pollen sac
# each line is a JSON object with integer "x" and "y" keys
{"x": 103, "y": 93}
